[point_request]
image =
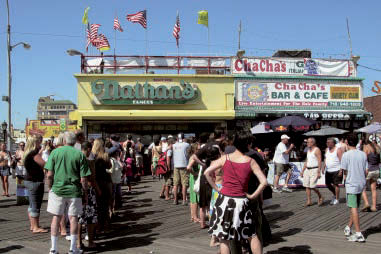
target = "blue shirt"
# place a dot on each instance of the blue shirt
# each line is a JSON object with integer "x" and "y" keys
{"x": 355, "y": 163}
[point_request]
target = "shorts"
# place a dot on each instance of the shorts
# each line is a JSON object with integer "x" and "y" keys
{"x": 57, "y": 204}
{"x": 373, "y": 175}
{"x": 353, "y": 200}
{"x": 310, "y": 177}
{"x": 139, "y": 161}
{"x": 181, "y": 175}
{"x": 5, "y": 171}
{"x": 282, "y": 168}
{"x": 333, "y": 178}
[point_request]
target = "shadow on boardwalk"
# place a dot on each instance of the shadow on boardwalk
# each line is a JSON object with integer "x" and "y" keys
{"x": 146, "y": 223}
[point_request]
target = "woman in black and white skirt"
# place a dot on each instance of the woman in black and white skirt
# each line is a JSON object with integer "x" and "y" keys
{"x": 232, "y": 218}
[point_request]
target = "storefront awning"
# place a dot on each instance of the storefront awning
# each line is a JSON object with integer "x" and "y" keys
{"x": 320, "y": 115}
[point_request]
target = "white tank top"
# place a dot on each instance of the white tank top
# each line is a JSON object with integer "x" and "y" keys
{"x": 312, "y": 161}
{"x": 332, "y": 161}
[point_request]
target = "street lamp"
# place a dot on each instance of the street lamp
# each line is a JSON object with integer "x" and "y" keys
{"x": 4, "y": 126}
{"x": 73, "y": 52}
{"x": 9, "y": 98}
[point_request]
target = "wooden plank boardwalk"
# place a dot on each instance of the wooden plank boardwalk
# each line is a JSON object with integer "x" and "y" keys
{"x": 147, "y": 224}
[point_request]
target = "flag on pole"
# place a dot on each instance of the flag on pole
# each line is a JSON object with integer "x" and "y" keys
{"x": 176, "y": 29}
{"x": 102, "y": 43}
{"x": 139, "y": 17}
{"x": 117, "y": 25}
{"x": 85, "y": 18}
{"x": 203, "y": 18}
{"x": 91, "y": 34}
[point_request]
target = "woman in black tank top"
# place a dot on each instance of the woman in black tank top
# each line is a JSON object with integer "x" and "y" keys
{"x": 34, "y": 181}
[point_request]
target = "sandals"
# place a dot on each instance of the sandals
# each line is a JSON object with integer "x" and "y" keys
{"x": 365, "y": 209}
{"x": 40, "y": 230}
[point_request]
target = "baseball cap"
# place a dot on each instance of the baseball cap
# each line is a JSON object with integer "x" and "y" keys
{"x": 170, "y": 136}
{"x": 284, "y": 136}
{"x": 163, "y": 138}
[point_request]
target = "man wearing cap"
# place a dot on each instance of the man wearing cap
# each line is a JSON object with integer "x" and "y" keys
{"x": 281, "y": 159}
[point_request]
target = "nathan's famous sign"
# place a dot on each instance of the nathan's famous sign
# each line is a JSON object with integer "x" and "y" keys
{"x": 110, "y": 92}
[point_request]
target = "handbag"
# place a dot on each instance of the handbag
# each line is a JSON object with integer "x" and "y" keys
{"x": 196, "y": 187}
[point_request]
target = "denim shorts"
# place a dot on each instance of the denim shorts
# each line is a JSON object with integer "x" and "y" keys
{"x": 36, "y": 194}
{"x": 5, "y": 171}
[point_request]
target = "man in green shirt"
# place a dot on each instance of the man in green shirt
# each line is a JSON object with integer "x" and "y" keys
{"x": 67, "y": 178}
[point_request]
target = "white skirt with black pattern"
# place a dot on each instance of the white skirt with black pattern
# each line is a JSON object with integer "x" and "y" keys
{"x": 232, "y": 219}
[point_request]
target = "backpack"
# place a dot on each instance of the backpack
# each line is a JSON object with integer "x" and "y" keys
{"x": 162, "y": 167}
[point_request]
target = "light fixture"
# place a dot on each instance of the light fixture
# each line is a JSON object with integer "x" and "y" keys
{"x": 355, "y": 59}
{"x": 73, "y": 52}
{"x": 4, "y": 126}
{"x": 24, "y": 44}
{"x": 240, "y": 53}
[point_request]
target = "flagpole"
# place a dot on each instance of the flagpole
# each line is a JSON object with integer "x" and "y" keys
{"x": 115, "y": 34}
{"x": 146, "y": 35}
{"x": 208, "y": 41}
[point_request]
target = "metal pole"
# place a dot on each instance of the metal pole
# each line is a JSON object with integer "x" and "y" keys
{"x": 239, "y": 35}
{"x": 349, "y": 39}
{"x": 9, "y": 49}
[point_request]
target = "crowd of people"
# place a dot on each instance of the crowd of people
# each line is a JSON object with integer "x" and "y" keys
{"x": 222, "y": 179}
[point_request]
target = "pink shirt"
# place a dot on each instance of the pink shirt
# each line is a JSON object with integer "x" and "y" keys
{"x": 236, "y": 178}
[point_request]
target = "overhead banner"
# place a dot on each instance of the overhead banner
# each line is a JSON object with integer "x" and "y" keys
{"x": 251, "y": 94}
{"x": 292, "y": 67}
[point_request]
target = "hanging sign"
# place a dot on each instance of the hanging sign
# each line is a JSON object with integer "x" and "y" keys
{"x": 292, "y": 67}
{"x": 110, "y": 92}
{"x": 250, "y": 94}
{"x": 376, "y": 87}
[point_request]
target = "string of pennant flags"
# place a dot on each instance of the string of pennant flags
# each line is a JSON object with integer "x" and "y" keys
{"x": 100, "y": 41}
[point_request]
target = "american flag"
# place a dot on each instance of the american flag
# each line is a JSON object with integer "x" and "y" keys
{"x": 102, "y": 42}
{"x": 117, "y": 25}
{"x": 139, "y": 17}
{"x": 176, "y": 30}
{"x": 92, "y": 34}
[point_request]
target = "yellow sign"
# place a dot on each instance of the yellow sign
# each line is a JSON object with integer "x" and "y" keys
{"x": 203, "y": 18}
{"x": 345, "y": 93}
{"x": 47, "y": 128}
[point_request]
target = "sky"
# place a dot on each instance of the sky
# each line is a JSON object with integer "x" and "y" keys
{"x": 52, "y": 27}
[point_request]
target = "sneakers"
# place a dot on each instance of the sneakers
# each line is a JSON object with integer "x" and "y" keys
{"x": 334, "y": 202}
{"x": 356, "y": 238}
{"x": 286, "y": 189}
{"x": 277, "y": 190}
{"x": 347, "y": 231}
{"x": 77, "y": 251}
{"x": 53, "y": 252}
{"x": 68, "y": 238}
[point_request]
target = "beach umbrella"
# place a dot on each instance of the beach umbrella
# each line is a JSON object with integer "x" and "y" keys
{"x": 287, "y": 123}
{"x": 371, "y": 128}
{"x": 260, "y": 129}
{"x": 326, "y": 131}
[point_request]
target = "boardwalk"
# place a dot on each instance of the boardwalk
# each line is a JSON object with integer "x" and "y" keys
{"x": 148, "y": 224}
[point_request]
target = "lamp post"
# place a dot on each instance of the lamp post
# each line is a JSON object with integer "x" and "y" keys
{"x": 4, "y": 126}
{"x": 9, "y": 98}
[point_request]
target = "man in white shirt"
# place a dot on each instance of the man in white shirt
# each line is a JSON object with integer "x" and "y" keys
{"x": 333, "y": 173}
{"x": 312, "y": 171}
{"x": 281, "y": 159}
{"x": 180, "y": 155}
